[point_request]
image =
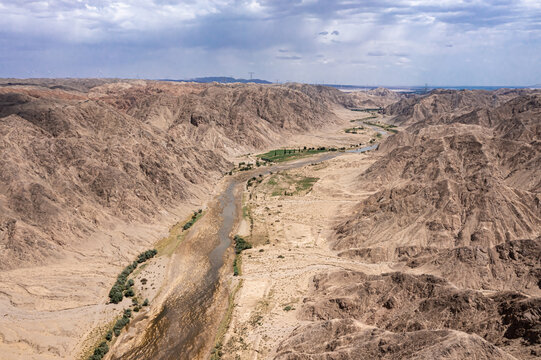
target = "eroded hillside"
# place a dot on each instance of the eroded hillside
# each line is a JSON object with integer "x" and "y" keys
{"x": 454, "y": 209}
{"x": 76, "y": 159}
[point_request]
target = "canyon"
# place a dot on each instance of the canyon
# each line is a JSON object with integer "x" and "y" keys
{"x": 424, "y": 244}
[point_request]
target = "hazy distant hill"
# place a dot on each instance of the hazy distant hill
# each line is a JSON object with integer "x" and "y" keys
{"x": 225, "y": 80}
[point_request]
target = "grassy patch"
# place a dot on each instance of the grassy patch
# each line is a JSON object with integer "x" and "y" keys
{"x": 305, "y": 183}
{"x": 289, "y": 185}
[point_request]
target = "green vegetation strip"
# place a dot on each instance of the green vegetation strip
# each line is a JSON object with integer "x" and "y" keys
{"x": 354, "y": 130}
{"x": 366, "y": 110}
{"x": 100, "y": 351}
{"x": 240, "y": 246}
{"x": 123, "y": 287}
{"x": 280, "y": 155}
{"x": 196, "y": 215}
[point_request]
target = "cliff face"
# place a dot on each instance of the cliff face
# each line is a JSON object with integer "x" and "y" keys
{"x": 472, "y": 182}
{"x": 75, "y": 156}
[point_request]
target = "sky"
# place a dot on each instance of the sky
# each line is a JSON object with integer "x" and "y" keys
{"x": 372, "y": 42}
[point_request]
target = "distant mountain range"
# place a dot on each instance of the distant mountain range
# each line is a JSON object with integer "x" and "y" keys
{"x": 223, "y": 79}
{"x": 414, "y": 89}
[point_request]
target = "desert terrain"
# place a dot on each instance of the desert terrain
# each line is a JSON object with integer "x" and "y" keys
{"x": 428, "y": 248}
{"x": 425, "y": 246}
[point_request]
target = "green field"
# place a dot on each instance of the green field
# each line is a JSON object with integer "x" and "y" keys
{"x": 280, "y": 155}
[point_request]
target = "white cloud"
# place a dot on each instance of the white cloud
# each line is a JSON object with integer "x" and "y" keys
{"x": 322, "y": 36}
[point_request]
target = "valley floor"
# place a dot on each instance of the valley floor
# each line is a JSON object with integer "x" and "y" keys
{"x": 290, "y": 234}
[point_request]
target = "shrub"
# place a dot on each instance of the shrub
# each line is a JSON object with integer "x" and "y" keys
{"x": 145, "y": 303}
{"x": 146, "y": 255}
{"x": 241, "y": 244}
{"x": 100, "y": 351}
{"x": 235, "y": 268}
{"x": 109, "y": 335}
{"x": 115, "y": 295}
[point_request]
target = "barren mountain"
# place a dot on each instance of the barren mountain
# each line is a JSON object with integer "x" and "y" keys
{"x": 76, "y": 155}
{"x": 440, "y": 105}
{"x": 350, "y": 339}
{"x": 456, "y": 209}
{"x": 444, "y": 186}
{"x": 435, "y": 251}
{"x": 375, "y": 98}
{"x": 414, "y": 317}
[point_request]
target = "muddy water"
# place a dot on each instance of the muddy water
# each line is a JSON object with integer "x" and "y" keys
{"x": 182, "y": 328}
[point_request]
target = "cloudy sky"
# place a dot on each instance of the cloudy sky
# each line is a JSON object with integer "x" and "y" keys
{"x": 371, "y": 42}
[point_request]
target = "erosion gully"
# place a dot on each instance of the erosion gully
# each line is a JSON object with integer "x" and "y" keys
{"x": 186, "y": 324}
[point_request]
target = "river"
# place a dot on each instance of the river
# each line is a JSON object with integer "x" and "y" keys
{"x": 185, "y": 323}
